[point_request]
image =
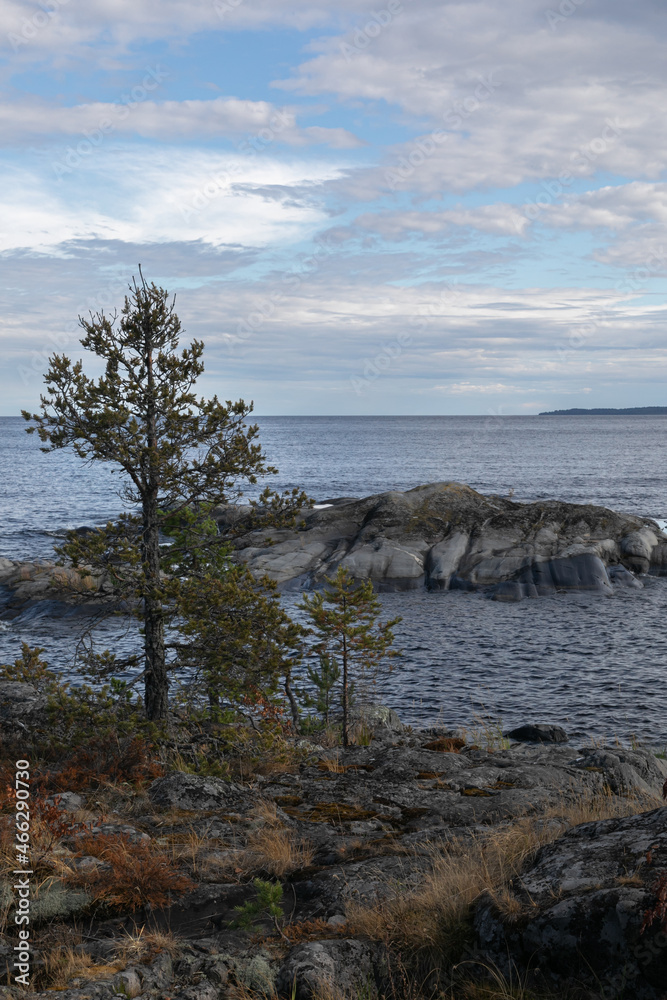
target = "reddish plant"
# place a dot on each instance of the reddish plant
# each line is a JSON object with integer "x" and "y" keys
{"x": 105, "y": 759}
{"x": 659, "y": 910}
{"x": 132, "y": 875}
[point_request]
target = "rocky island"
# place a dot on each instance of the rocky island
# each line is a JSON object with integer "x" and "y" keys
{"x": 446, "y": 536}
{"x": 442, "y": 536}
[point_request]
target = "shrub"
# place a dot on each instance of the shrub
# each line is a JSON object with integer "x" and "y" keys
{"x": 132, "y": 876}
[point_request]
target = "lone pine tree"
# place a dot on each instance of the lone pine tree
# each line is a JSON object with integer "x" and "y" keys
{"x": 349, "y": 637}
{"x": 175, "y": 450}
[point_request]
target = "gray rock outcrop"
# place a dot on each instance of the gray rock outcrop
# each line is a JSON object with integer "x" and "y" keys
{"x": 191, "y": 792}
{"x": 579, "y": 910}
{"x": 20, "y": 704}
{"x": 323, "y": 966}
{"x": 446, "y": 536}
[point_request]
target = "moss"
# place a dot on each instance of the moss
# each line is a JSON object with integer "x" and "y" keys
{"x": 288, "y": 800}
{"x": 332, "y": 812}
{"x": 427, "y": 775}
{"x": 476, "y": 792}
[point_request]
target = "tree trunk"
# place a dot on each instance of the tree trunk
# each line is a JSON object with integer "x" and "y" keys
{"x": 156, "y": 683}
{"x": 345, "y": 737}
{"x": 156, "y": 690}
{"x": 294, "y": 708}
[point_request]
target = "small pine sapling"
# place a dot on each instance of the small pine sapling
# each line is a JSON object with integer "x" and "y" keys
{"x": 268, "y": 903}
{"x": 324, "y": 681}
{"x": 345, "y": 621}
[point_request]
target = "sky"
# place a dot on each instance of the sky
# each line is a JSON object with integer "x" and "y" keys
{"x": 412, "y": 207}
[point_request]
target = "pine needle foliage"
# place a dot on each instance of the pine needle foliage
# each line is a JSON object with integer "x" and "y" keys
{"x": 175, "y": 452}
{"x": 349, "y": 636}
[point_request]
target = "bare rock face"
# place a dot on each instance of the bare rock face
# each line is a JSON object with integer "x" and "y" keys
{"x": 20, "y": 704}
{"x": 447, "y": 536}
{"x": 583, "y": 902}
{"x": 323, "y": 966}
{"x": 192, "y": 792}
{"x": 28, "y": 583}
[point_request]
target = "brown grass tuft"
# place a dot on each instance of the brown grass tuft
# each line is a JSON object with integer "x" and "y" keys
{"x": 275, "y": 851}
{"x": 436, "y": 917}
{"x": 63, "y": 964}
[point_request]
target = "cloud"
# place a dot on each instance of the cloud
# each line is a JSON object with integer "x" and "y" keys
{"x": 614, "y": 207}
{"x": 74, "y": 30}
{"x": 512, "y": 100}
{"x": 467, "y": 388}
{"x": 317, "y": 323}
{"x": 496, "y": 220}
{"x": 151, "y": 196}
{"x": 134, "y": 114}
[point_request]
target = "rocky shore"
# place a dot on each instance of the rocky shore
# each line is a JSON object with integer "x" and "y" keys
{"x": 414, "y": 852}
{"x": 443, "y": 536}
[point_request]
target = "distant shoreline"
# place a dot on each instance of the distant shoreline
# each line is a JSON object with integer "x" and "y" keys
{"x": 630, "y": 411}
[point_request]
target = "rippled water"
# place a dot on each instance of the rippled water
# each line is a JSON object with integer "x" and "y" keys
{"x": 594, "y": 664}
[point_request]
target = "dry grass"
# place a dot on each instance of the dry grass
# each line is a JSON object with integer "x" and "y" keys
{"x": 62, "y": 964}
{"x": 277, "y": 852}
{"x": 436, "y": 917}
{"x": 145, "y": 945}
{"x": 494, "y": 985}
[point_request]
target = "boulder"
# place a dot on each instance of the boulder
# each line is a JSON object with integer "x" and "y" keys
{"x": 66, "y": 801}
{"x": 447, "y": 536}
{"x": 7, "y": 569}
{"x": 318, "y": 967}
{"x": 20, "y": 704}
{"x": 538, "y": 734}
{"x": 376, "y": 718}
{"x": 578, "y": 909}
{"x": 192, "y": 792}
{"x": 127, "y": 983}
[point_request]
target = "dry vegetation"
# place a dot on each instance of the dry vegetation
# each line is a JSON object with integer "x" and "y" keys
{"x": 434, "y": 920}
{"x": 429, "y": 926}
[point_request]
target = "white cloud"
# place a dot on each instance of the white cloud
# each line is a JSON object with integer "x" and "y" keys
{"x": 467, "y": 388}
{"x": 497, "y": 220}
{"x": 134, "y": 114}
{"x": 144, "y": 196}
{"x": 514, "y": 100}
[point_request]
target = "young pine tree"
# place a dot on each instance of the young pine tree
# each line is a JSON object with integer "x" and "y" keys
{"x": 175, "y": 451}
{"x": 238, "y": 637}
{"x": 345, "y": 621}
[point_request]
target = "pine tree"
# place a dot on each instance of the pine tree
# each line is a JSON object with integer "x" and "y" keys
{"x": 240, "y": 641}
{"x": 176, "y": 452}
{"x": 345, "y": 621}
